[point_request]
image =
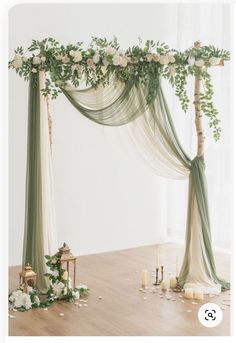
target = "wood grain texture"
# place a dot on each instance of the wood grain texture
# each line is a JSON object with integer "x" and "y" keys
{"x": 122, "y": 311}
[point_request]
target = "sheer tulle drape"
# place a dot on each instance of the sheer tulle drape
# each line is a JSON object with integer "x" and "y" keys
{"x": 154, "y": 135}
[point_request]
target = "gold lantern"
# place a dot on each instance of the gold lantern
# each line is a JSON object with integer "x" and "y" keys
{"x": 27, "y": 278}
{"x": 67, "y": 258}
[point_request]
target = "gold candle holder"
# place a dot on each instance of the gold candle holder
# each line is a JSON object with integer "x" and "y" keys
{"x": 158, "y": 282}
{"x": 178, "y": 288}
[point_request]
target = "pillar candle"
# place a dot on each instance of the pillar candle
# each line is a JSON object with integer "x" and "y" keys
{"x": 65, "y": 275}
{"x": 173, "y": 282}
{"x": 165, "y": 285}
{"x": 188, "y": 294}
{"x": 198, "y": 295}
{"x": 144, "y": 274}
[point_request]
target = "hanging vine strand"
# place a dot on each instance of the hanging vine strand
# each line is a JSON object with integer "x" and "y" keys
{"x": 144, "y": 63}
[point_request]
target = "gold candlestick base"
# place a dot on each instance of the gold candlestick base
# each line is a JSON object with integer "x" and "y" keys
{"x": 178, "y": 288}
{"x": 158, "y": 282}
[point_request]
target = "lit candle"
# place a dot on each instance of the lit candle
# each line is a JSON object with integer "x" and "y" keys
{"x": 65, "y": 275}
{"x": 144, "y": 274}
{"x": 188, "y": 294}
{"x": 198, "y": 294}
{"x": 165, "y": 285}
{"x": 158, "y": 258}
{"x": 173, "y": 282}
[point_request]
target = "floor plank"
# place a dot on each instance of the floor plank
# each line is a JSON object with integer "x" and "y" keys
{"x": 123, "y": 310}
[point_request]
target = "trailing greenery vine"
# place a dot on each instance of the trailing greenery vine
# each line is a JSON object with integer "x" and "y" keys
{"x": 60, "y": 288}
{"x": 144, "y": 63}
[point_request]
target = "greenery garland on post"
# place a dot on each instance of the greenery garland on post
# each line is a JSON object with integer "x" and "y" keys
{"x": 140, "y": 63}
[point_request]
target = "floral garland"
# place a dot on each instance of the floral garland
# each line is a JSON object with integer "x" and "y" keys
{"x": 141, "y": 63}
{"x": 59, "y": 289}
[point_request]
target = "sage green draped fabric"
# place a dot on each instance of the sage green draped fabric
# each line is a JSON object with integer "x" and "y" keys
{"x": 40, "y": 230}
{"x": 33, "y": 251}
{"x": 192, "y": 269}
{"x": 155, "y": 136}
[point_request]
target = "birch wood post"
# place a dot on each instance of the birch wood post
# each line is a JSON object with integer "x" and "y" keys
{"x": 49, "y": 122}
{"x": 198, "y": 113}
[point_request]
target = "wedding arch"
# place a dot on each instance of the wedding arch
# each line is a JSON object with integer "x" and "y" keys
{"x": 114, "y": 87}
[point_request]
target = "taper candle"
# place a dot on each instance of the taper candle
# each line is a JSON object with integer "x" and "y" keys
{"x": 158, "y": 258}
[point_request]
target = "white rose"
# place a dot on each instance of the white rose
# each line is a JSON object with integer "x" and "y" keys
{"x": 57, "y": 288}
{"x": 17, "y": 62}
{"x": 171, "y": 59}
{"x": 34, "y": 70}
{"x": 214, "y": 61}
{"x": 43, "y": 59}
{"x": 199, "y": 63}
{"x": 24, "y": 59}
{"x": 164, "y": 59}
{"x": 36, "y": 60}
{"x": 171, "y": 53}
{"x": 124, "y": 61}
{"x": 65, "y": 59}
{"x": 58, "y": 57}
{"x": 191, "y": 61}
{"x": 117, "y": 60}
{"x": 55, "y": 273}
{"x": 72, "y": 53}
{"x": 23, "y": 300}
{"x": 77, "y": 56}
{"x": 172, "y": 70}
{"x": 19, "y": 302}
{"x": 76, "y": 294}
{"x": 110, "y": 51}
{"x": 27, "y": 301}
{"x": 156, "y": 57}
{"x": 96, "y": 58}
{"x": 149, "y": 57}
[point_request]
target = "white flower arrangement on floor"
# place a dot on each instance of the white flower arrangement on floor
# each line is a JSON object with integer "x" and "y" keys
{"x": 23, "y": 301}
{"x": 60, "y": 289}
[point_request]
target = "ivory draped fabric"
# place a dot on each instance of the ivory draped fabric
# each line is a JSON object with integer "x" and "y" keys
{"x": 154, "y": 134}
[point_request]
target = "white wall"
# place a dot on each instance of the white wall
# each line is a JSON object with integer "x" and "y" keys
{"x": 105, "y": 198}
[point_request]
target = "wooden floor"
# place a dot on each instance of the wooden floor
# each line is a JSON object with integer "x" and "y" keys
{"x": 122, "y": 311}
